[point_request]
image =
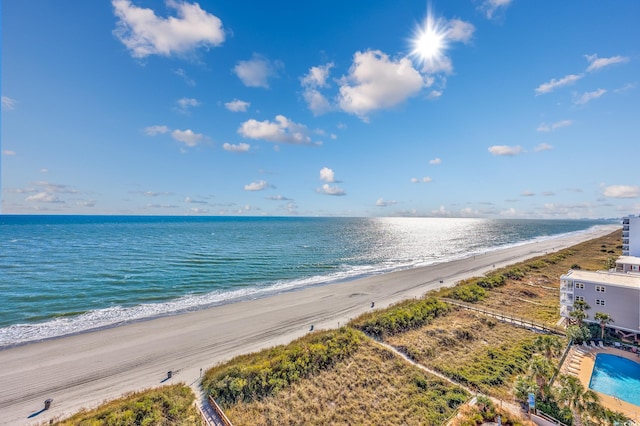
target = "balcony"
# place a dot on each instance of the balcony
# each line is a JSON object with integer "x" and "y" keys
{"x": 568, "y": 301}
{"x": 564, "y": 311}
{"x": 566, "y": 286}
{"x": 625, "y": 228}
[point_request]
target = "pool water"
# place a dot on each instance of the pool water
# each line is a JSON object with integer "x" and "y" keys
{"x": 616, "y": 376}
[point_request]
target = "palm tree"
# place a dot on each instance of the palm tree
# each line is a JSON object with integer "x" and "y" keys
{"x": 578, "y": 311}
{"x": 573, "y": 396}
{"x": 541, "y": 370}
{"x": 603, "y": 319}
{"x": 522, "y": 387}
{"x": 548, "y": 345}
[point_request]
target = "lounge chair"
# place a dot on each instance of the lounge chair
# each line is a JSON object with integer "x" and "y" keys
{"x": 600, "y": 344}
{"x": 593, "y": 344}
{"x": 585, "y": 345}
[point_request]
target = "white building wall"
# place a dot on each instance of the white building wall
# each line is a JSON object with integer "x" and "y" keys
{"x": 634, "y": 236}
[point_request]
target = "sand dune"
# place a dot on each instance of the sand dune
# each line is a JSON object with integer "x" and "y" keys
{"x": 86, "y": 369}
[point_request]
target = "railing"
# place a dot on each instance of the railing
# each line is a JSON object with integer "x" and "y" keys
{"x": 524, "y": 322}
{"x": 223, "y": 418}
{"x": 549, "y": 418}
{"x": 204, "y": 416}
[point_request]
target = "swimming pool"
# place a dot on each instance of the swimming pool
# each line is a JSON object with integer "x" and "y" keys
{"x": 616, "y": 376}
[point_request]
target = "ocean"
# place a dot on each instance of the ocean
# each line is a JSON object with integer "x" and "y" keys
{"x": 67, "y": 274}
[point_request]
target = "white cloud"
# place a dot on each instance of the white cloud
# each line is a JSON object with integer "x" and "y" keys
{"x": 144, "y": 33}
{"x": 282, "y": 130}
{"x": 331, "y": 190}
{"x": 8, "y": 103}
{"x": 527, "y": 194}
{"x": 543, "y": 127}
{"x": 441, "y": 211}
{"x": 237, "y": 105}
{"x": 588, "y": 96}
{"x": 45, "y": 197}
{"x": 156, "y": 130}
{"x": 543, "y": 147}
{"x": 626, "y": 88}
{"x": 382, "y": 203}
{"x": 509, "y": 212}
{"x": 554, "y": 84}
{"x": 86, "y": 203}
{"x": 182, "y": 73}
{"x": 458, "y": 30}
{"x": 257, "y": 186}
{"x": 317, "y": 103}
{"x": 490, "y": 7}
{"x": 425, "y": 179}
{"x": 327, "y": 175}
{"x": 185, "y": 103}
{"x": 241, "y": 147}
{"x": 188, "y": 137}
{"x": 505, "y": 150}
{"x": 278, "y": 198}
{"x": 317, "y": 76}
{"x": 55, "y": 188}
{"x": 198, "y": 210}
{"x": 8, "y": 152}
{"x": 256, "y": 71}
{"x": 376, "y": 82}
{"x": 548, "y": 193}
{"x": 622, "y": 191}
{"x": 596, "y": 63}
{"x": 435, "y": 161}
{"x": 44, "y": 170}
{"x": 192, "y": 201}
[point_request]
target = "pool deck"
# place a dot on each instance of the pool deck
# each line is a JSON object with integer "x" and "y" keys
{"x": 580, "y": 362}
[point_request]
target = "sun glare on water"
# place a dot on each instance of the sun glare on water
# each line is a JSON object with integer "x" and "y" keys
{"x": 429, "y": 41}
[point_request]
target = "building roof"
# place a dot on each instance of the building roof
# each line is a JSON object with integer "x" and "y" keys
{"x": 603, "y": 277}
{"x": 628, "y": 260}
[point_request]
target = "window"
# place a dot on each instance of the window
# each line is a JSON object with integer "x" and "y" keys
{"x": 579, "y": 299}
{"x": 600, "y": 288}
{"x": 580, "y": 285}
{"x": 600, "y": 302}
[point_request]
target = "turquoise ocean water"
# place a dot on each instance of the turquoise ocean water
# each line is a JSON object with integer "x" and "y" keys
{"x": 67, "y": 274}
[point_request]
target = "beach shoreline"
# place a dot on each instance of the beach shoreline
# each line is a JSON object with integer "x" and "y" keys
{"x": 85, "y": 369}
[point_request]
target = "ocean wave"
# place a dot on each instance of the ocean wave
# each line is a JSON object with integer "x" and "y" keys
{"x": 118, "y": 315}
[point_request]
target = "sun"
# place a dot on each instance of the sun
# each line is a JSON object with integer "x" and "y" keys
{"x": 429, "y": 41}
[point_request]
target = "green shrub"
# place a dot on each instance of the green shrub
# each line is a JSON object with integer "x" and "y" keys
{"x": 470, "y": 293}
{"x": 401, "y": 317}
{"x": 168, "y": 405}
{"x": 255, "y": 376}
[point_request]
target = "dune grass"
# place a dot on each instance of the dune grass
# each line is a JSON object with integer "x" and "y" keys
{"x": 472, "y": 349}
{"x": 164, "y": 406}
{"x": 372, "y": 386}
{"x": 530, "y": 289}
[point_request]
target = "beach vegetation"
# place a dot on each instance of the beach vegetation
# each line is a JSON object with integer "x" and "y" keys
{"x": 578, "y": 333}
{"x": 531, "y": 288}
{"x": 401, "y": 317}
{"x": 603, "y": 319}
{"x": 261, "y": 374}
{"x": 372, "y": 386}
{"x": 472, "y": 349}
{"x": 164, "y": 406}
{"x": 486, "y": 411}
{"x": 469, "y": 293}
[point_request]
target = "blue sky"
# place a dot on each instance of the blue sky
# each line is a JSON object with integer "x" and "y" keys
{"x": 475, "y": 108}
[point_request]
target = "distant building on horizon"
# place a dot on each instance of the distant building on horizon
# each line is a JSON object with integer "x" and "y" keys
{"x": 615, "y": 292}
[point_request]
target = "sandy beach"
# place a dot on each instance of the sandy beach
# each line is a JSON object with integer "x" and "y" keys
{"x": 82, "y": 371}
